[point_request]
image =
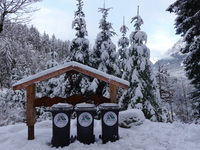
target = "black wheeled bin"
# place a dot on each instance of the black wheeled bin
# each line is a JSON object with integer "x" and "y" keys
{"x": 61, "y": 114}
{"x": 109, "y": 119}
{"x": 85, "y": 122}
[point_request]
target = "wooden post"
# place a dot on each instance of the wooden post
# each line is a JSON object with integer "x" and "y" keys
{"x": 30, "y": 111}
{"x": 113, "y": 93}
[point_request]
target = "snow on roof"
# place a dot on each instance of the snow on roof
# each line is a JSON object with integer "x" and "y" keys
{"x": 72, "y": 64}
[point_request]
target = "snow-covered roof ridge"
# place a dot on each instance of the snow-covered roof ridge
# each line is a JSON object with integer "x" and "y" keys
{"x": 49, "y": 73}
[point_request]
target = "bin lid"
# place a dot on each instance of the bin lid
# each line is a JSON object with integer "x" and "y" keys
{"x": 85, "y": 106}
{"x": 62, "y": 106}
{"x": 108, "y": 106}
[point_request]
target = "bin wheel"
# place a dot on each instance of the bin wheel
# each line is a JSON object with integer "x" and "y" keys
{"x": 52, "y": 140}
{"x": 116, "y": 137}
{"x": 72, "y": 139}
{"x": 100, "y": 136}
{"x": 93, "y": 138}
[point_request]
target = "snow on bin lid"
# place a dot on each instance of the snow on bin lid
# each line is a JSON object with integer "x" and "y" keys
{"x": 85, "y": 106}
{"x": 108, "y": 106}
{"x": 62, "y": 106}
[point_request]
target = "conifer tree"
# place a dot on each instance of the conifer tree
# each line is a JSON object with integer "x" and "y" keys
{"x": 187, "y": 24}
{"x": 6, "y": 62}
{"x": 53, "y": 55}
{"x": 53, "y": 82}
{"x": 105, "y": 57}
{"x": 79, "y": 52}
{"x": 79, "y": 47}
{"x": 138, "y": 71}
{"x": 123, "y": 43}
{"x": 34, "y": 38}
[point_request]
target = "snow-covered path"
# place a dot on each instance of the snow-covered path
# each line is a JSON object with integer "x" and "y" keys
{"x": 148, "y": 136}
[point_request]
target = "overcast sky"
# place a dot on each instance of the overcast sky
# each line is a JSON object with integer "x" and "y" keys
{"x": 56, "y": 16}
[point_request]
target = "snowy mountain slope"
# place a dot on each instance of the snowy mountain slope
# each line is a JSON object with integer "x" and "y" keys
{"x": 176, "y": 48}
{"x": 148, "y": 136}
{"x": 173, "y": 60}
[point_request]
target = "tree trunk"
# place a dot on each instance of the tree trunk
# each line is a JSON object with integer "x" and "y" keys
{"x": 171, "y": 109}
{"x": 2, "y": 21}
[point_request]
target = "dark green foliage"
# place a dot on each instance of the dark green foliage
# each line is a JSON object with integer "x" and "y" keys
{"x": 104, "y": 55}
{"x": 187, "y": 24}
{"x": 138, "y": 71}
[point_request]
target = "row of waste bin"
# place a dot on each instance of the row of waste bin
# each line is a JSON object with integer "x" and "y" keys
{"x": 61, "y": 113}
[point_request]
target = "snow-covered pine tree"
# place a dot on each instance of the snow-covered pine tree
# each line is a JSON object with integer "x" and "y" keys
{"x": 79, "y": 47}
{"x": 187, "y": 24}
{"x": 64, "y": 50}
{"x": 53, "y": 82}
{"x": 34, "y": 37}
{"x": 79, "y": 52}
{"x": 123, "y": 43}
{"x": 6, "y": 62}
{"x": 138, "y": 71}
{"x": 53, "y": 55}
{"x": 45, "y": 48}
{"x": 105, "y": 57}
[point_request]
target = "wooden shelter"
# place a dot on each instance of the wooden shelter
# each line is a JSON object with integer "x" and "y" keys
{"x": 71, "y": 67}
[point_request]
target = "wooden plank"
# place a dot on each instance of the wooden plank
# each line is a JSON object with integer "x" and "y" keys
{"x": 42, "y": 78}
{"x": 74, "y": 99}
{"x": 68, "y": 69}
{"x": 113, "y": 93}
{"x": 91, "y": 74}
{"x": 30, "y": 111}
{"x": 99, "y": 99}
{"x": 47, "y": 101}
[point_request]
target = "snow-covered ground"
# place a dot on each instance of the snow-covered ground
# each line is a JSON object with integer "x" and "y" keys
{"x": 148, "y": 136}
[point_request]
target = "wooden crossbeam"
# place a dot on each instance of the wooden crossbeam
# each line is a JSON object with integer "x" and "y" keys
{"x": 74, "y": 99}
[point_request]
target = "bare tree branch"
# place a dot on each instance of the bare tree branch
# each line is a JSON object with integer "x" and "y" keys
{"x": 18, "y": 11}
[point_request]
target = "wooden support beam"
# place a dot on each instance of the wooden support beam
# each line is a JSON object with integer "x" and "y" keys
{"x": 31, "y": 132}
{"x": 30, "y": 111}
{"x": 113, "y": 93}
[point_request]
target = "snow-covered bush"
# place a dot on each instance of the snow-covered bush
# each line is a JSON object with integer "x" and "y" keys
{"x": 131, "y": 117}
{"x": 13, "y": 109}
{"x": 2, "y": 102}
{"x": 43, "y": 113}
